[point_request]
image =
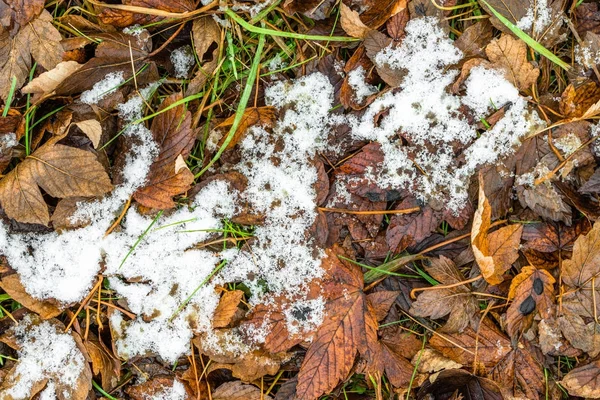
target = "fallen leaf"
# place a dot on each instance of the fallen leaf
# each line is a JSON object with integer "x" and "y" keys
{"x": 381, "y": 302}
{"x": 396, "y": 24}
{"x": 406, "y": 230}
{"x": 531, "y": 290}
{"x": 494, "y": 252}
{"x": 457, "y": 301}
{"x": 253, "y": 116}
{"x": 348, "y": 328}
{"x": 40, "y": 39}
{"x": 583, "y": 381}
{"x": 46, "y": 309}
{"x": 21, "y": 11}
{"x": 462, "y": 383}
{"x": 487, "y": 345}
{"x": 351, "y": 23}
{"x": 92, "y": 129}
{"x": 228, "y": 305}
{"x": 577, "y": 101}
{"x": 103, "y": 363}
{"x": 475, "y": 38}
{"x": 172, "y": 131}
{"x": 157, "y": 387}
{"x": 238, "y": 390}
{"x": 44, "y": 84}
{"x": 548, "y": 237}
{"x": 206, "y": 34}
{"x": 61, "y": 171}
{"x": 430, "y": 361}
{"x": 581, "y": 334}
{"x": 394, "y": 350}
{"x": 510, "y": 55}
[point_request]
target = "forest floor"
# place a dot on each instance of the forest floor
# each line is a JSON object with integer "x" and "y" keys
{"x": 299, "y": 199}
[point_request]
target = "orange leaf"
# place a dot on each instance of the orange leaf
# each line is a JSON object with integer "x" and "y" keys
{"x": 227, "y": 308}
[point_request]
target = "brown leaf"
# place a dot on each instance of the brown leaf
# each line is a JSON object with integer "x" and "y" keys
{"x": 157, "y": 387}
{"x": 348, "y": 328}
{"x": 376, "y": 12}
{"x": 237, "y": 390}
{"x": 381, "y": 302}
{"x": 494, "y": 252}
{"x": 227, "y": 308}
{"x": 545, "y": 200}
{"x": 581, "y": 334}
{"x": 351, "y": 23}
{"x": 475, "y": 38}
{"x": 583, "y": 381}
{"x": 20, "y": 11}
{"x": 457, "y": 301}
{"x": 40, "y": 39}
{"x": 576, "y": 101}
{"x": 521, "y": 372}
{"x": 396, "y": 24}
{"x": 61, "y": 171}
{"x": 45, "y": 83}
{"x": 124, "y": 18}
{"x": 406, "y": 230}
{"x": 172, "y": 130}
{"x": 253, "y": 116}
{"x": 587, "y": 18}
{"x": 461, "y": 383}
{"x": 206, "y": 34}
{"x": 394, "y": 351}
{"x": 103, "y": 363}
{"x": 374, "y": 42}
{"x": 531, "y": 290}
{"x": 314, "y": 9}
{"x": 510, "y": 55}
{"x": 46, "y": 309}
{"x": 549, "y": 237}
{"x": 489, "y": 343}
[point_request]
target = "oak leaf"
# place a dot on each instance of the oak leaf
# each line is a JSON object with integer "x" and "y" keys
{"x": 510, "y": 55}
{"x": 494, "y": 252}
{"x": 457, "y": 301}
{"x": 60, "y": 170}
{"x": 531, "y": 290}
{"x": 172, "y": 130}
{"x": 348, "y": 329}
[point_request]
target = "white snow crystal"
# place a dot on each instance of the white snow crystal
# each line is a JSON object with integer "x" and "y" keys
{"x": 356, "y": 80}
{"x": 103, "y": 88}
{"x": 45, "y": 353}
{"x": 539, "y": 16}
{"x": 175, "y": 392}
{"x": 182, "y": 60}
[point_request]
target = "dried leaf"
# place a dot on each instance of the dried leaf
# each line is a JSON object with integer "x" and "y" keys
{"x": 103, "y": 363}
{"x": 253, "y": 116}
{"x": 461, "y": 383}
{"x": 475, "y": 38}
{"x": 531, "y": 290}
{"x": 348, "y": 329}
{"x": 457, "y": 301}
{"x": 124, "y": 18}
{"x": 237, "y": 390}
{"x": 227, "y": 308}
{"x": 583, "y": 381}
{"x": 44, "y": 84}
{"x": 576, "y": 101}
{"x": 92, "y": 129}
{"x": 351, "y": 23}
{"x": 431, "y": 361}
{"x": 40, "y": 39}
{"x": 61, "y": 171}
{"x": 581, "y": 334}
{"x": 510, "y": 55}
{"x": 381, "y": 302}
{"x": 46, "y": 309}
{"x": 554, "y": 236}
{"x": 206, "y": 34}
{"x": 156, "y": 387}
{"x": 494, "y": 252}
{"x": 172, "y": 130}
{"x": 406, "y": 230}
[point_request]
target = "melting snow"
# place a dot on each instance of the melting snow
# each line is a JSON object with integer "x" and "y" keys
{"x": 103, "y": 88}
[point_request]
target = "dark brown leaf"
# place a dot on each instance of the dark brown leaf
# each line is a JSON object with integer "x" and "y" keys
{"x": 168, "y": 175}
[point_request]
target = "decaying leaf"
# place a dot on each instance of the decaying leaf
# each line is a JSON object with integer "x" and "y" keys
{"x": 44, "y": 84}
{"x": 457, "y": 301}
{"x": 494, "y": 252}
{"x": 46, "y": 309}
{"x": 510, "y": 55}
{"x": 575, "y": 101}
{"x": 227, "y": 308}
{"x": 103, "y": 363}
{"x": 92, "y": 129}
{"x": 161, "y": 387}
{"x": 583, "y": 381}
{"x": 60, "y": 170}
{"x": 206, "y": 34}
{"x": 172, "y": 130}
{"x": 351, "y": 22}
{"x": 531, "y": 290}
{"x": 253, "y": 116}
{"x": 238, "y": 390}
{"x": 348, "y": 329}
{"x": 461, "y": 383}
{"x": 40, "y": 39}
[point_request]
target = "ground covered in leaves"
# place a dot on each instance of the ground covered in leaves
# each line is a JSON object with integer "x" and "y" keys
{"x": 298, "y": 199}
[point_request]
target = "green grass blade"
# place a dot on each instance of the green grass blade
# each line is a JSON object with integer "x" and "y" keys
{"x": 293, "y": 35}
{"x": 140, "y": 238}
{"x": 11, "y": 93}
{"x": 390, "y": 267}
{"x": 528, "y": 39}
{"x": 239, "y": 113}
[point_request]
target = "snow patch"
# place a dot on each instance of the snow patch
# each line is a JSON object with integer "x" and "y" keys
{"x": 103, "y": 88}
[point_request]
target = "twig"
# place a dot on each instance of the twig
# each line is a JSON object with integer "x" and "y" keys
{"x": 373, "y": 212}
{"x": 437, "y": 287}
